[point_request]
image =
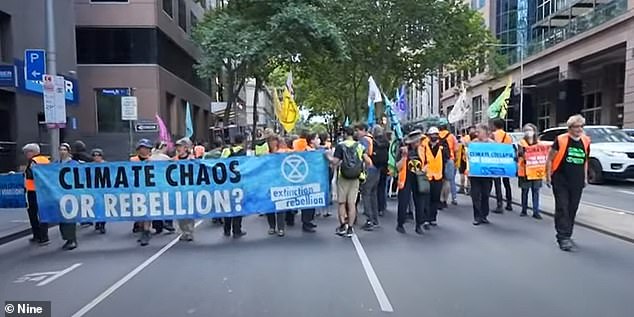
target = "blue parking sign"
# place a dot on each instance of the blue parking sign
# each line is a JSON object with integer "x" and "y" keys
{"x": 34, "y": 64}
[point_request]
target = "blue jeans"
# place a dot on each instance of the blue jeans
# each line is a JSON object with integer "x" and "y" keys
{"x": 450, "y": 182}
{"x": 535, "y": 196}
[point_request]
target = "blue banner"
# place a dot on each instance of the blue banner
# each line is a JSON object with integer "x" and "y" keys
{"x": 12, "y": 191}
{"x": 491, "y": 160}
{"x": 126, "y": 191}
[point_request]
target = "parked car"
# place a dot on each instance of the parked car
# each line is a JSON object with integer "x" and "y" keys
{"x": 516, "y": 137}
{"x": 611, "y": 152}
{"x": 629, "y": 132}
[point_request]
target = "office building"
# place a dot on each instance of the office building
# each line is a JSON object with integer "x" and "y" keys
{"x": 577, "y": 57}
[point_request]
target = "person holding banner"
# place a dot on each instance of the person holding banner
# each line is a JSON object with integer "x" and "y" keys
{"x": 234, "y": 224}
{"x": 307, "y": 142}
{"x": 566, "y": 171}
{"x": 276, "y": 220}
{"x": 500, "y": 136}
{"x": 143, "y": 150}
{"x": 159, "y": 153}
{"x": 183, "y": 152}
{"x": 481, "y": 185}
{"x": 450, "y": 143}
{"x": 461, "y": 159}
{"x": 38, "y": 229}
{"x": 531, "y": 168}
{"x": 97, "y": 157}
{"x": 68, "y": 230}
{"x": 413, "y": 183}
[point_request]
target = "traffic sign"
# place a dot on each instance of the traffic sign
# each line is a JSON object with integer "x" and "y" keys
{"x": 129, "y": 108}
{"x": 54, "y": 101}
{"x": 146, "y": 127}
{"x": 34, "y": 64}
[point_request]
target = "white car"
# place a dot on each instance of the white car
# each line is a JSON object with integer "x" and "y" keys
{"x": 611, "y": 152}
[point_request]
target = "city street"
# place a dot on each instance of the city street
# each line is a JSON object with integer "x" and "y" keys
{"x": 511, "y": 267}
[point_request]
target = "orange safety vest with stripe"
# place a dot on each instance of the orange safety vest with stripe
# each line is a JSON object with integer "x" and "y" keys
{"x": 451, "y": 140}
{"x": 29, "y": 182}
{"x": 462, "y": 152}
{"x": 402, "y": 173}
{"x": 562, "y": 142}
{"x": 500, "y": 136}
{"x": 521, "y": 162}
{"x": 435, "y": 164}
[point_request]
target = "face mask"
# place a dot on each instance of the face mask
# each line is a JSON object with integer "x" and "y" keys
{"x": 529, "y": 133}
{"x": 433, "y": 138}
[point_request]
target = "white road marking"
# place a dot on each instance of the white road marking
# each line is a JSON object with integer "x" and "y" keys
{"x": 626, "y": 192}
{"x": 59, "y": 274}
{"x": 384, "y": 302}
{"x": 128, "y": 277}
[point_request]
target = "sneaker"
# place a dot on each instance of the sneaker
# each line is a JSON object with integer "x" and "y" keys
{"x": 102, "y": 230}
{"x": 327, "y": 214}
{"x": 433, "y": 223}
{"x": 307, "y": 228}
{"x": 271, "y": 231}
{"x": 43, "y": 242}
{"x": 349, "y": 232}
{"x": 341, "y": 230}
{"x": 169, "y": 228}
{"x": 280, "y": 233}
{"x": 565, "y": 245}
{"x": 477, "y": 222}
{"x": 523, "y": 214}
{"x": 368, "y": 226}
{"x": 509, "y": 207}
{"x": 34, "y": 240}
{"x": 425, "y": 226}
{"x": 69, "y": 245}
{"x": 537, "y": 216}
{"x": 312, "y": 225}
{"x": 239, "y": 234}
{"x": 400, "y": 229}
{"x": 454, "y": 202}
{"x": 145, "y": 238}
{"x": 497, "y": 210}
{"x": 419, "y": 230}
{"x": 484, "y": 220}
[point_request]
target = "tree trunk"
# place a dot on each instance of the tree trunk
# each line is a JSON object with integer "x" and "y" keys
{"x": 254, "y": 132}
{"x": 233, "y": 94}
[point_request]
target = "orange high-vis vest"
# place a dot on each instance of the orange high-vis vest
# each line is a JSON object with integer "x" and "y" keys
{"x": 500, "y": 136}
{"x": 29, "y": 183}
{"x": 451, "y": 142}
{"x": 434, "y": 163}
{"x": 562, "y": 141}
{"x": 521, "y": 162}
{"x": 402, "y": 173}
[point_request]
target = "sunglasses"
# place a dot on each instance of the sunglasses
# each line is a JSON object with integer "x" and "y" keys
{"x": 96, "y": 154}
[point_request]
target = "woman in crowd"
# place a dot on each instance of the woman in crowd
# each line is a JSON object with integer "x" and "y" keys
{"x": 68, "y": 230}
{"x": 97, "y": 157}
{"x": 481, "y": 186}
{"x": 306, "y": 142}
{"x": 276, "y": 220}
{"x": 411, "y": 180}
{"x": 530, "y": 138}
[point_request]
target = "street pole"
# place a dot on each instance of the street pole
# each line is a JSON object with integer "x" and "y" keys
{"x": 521, "y": 85}
{"x": 51, "y": 59}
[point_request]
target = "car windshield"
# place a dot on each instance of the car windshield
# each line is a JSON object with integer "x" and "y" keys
{"x": 604, "y": 135}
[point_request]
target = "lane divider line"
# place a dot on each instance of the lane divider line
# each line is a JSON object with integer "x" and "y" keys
{"x": 84, "y": 310}
{"x": 384, "y": 302}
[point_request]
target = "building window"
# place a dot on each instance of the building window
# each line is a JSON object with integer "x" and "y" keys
{"x": 543, "y": 115}
{"x": 182, "y": 15}
{"x": 592, "y": 108}
{"x": 168, "y": 8}
{"x": 476, "y": 105}
{"x": 109, "y": 111}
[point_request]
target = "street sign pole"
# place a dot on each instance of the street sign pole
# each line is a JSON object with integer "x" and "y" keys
{"x": 52, "y": 69}
{"x": 129, "y": 112}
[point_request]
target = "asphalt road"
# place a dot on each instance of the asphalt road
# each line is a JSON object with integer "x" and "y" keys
{"x": 511, "y": 267}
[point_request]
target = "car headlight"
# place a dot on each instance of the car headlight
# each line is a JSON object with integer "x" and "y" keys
{"x": 616, "y": 154}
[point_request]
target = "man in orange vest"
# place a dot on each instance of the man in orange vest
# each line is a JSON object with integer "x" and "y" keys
{"x": 500, "y": 136}
{"x": 410, "y": 162}
{"x": 566, "y": 170}
{"x": 38, "y": 229}
{"x": 437, "y": 158}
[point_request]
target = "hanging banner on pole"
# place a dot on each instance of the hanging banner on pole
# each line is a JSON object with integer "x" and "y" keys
{"x": 536, "y": 156}
{"x": 138, "y": 191}
{"x": 54, "y": 101}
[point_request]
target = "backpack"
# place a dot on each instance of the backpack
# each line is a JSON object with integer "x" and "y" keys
{"x": 351, "y": 165}
{"x": 381, "y": 152}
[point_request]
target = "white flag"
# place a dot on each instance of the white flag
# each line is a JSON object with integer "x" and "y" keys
{"x": 374, "y": 93}
{"x": 460, "y": 108}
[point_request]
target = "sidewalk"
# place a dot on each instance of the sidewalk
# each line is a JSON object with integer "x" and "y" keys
{"x": 607, "y": 220}
{"x": 14, "y": 223}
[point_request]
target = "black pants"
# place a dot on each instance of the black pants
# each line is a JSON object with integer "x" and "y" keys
{"x": 233, "y": 224}
{"x": 480, "y": 191}
{"x": 507, "y": 191}
{"x": 381, "y": 190}
{"x": 68, "y": 231}
{"x": 308, "y": 215}
{"x": 431, "y": 213}
{"x": 567, "y": 200}
{"x": 100, "y": 224}
{"x": 276, "y": 218}
{"x": 405, "y": 195}
{"x": 38, "y": 229}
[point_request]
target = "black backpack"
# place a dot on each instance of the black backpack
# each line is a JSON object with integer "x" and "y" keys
{"x": 352, "y": 164}
{"x": 381, "y": 152}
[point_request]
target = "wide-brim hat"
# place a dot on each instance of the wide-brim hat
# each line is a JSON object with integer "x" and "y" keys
{"x": 413, "y": 137}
